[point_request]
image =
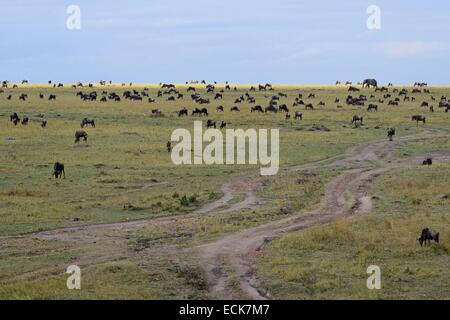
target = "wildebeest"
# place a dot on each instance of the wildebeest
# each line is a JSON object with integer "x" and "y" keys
{"x": 223, "y": 124}
{"x": 283, "y": 108}
{"x": 427, "y": 235}
{"x": 182, "y": 112}
{"x": 58, "y": 170}
{"x": 373, "y": 107}
{"x": 309, "y": 106}
{"x": 25, "y": 120}
{"x": 14, "y": 118}
{"x": 80, "y": 134}
{"x": 43, "y": 123}
{"x": 169, "y": 146}
{"x": 52, "y": 97}
{"x": 298, "y": 115}
{"x": 219, "y": 108}
{"x": 427, "y": 161}
{"x": 235, "y": 109}
{"x": 351, "y": 88}
{"x": 391, "y": 133}
{"x": 370, "y": 82}
{"x": 87, "y": 121}
{"x": 418, "y": 118}
{"x": 257, "y": 108}
{"x": 271, "y": 108}
{"x": 210, "y": 123}
{"x": 356, "y": 119}
{"x": 200, "y": 112}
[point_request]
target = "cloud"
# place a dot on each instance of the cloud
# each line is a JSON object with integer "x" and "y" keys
{"x": 397, "y": 50}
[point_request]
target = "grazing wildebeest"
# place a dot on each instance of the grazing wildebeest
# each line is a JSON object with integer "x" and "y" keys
{"x": 219, "y": 109}
{"x": 87, "y": 121}
{"x": 58, "y": 170}
{"x": 25, "y": 120}
{"x": 427, "y": 235}
{"x": 370, "y": 82}
{"x": 169, "y": 146}
{"x": 235, "y": 109}
{"x": 427, "y": 161}
{"x": 283, "y": 108}
{"x": 309, "y": 106}
{"x": 288, "y": 116}
{"x": 218, "y": 96}
{"x": 418, "y": 118}
{"x": 391, "y": 133}
{"x": 14, "y": 118}
{"x": 223, "y": 124}
{"x": 52, "y": 97}
{"x": 43, "y": 123}
{"x": 200, "y": 112}
{"x": 80, "y": 134}
{"x": 257, "y": 108}
{"x": 271, "y": 108}
{"x": 182, "y": 112}
{"x": 351, "y": 88}
{"x": 298, "y": 115}
{"x": 373, "y": 107}
{"x": 357, "y": 119}
{"x": 210, "y": 123}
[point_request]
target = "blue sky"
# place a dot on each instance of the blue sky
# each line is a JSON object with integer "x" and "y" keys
{"x": 242, "y": 41}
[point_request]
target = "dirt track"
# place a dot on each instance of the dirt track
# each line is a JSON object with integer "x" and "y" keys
{"x": 232, "y": 257}
{"x": 237, "y": 250}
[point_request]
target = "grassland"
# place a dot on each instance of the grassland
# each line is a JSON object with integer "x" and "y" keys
{"x": 125, "y": 174}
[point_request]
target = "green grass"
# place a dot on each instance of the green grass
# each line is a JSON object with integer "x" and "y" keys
{"x": 330, "y": 262}
{"x": 127, "y": 151}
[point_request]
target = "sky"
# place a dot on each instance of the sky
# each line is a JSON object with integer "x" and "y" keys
{"x": 240, "y": 41}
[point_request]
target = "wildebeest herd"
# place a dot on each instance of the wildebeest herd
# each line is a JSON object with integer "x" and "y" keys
{"x": 309, "y": 101}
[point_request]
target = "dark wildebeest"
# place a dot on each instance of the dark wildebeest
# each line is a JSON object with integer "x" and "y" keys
{"x": 356, "y": 119}
{"x": 283, "y": 108}
{"x": 52, "y": 97}
{"x": 353, "y": 89}
{"x": 271, "y": 108}
{"x": 235, "y": 109}
{"x": 370, "y": 82}
{"x": 210, "y": 123}
{"x": 427, "y": 235}
{"x": 219, "y": 109}
{"x": 169, "y": 146}
{"x": 80, "y": 134}
{"x": 200, "y": 112}
{"x": 257, "y": 108}
{"x": 298, "y": 115}
{"x": 391, "y": 133}
{"x": 58, "y": 170}
{"x": 223, "y": 124}
{"x": 373, "y": 107}
{"x": 427, "y": 161}
{"x": 309, "y": 106}
{"x": 43, "y": 123}
{"x": 14, "y": 118}
{"x": 182, "y": 112}
{"x": 25, "y": 120}
{"x": 418, "y": 118}
{"x": 87, "y": 121}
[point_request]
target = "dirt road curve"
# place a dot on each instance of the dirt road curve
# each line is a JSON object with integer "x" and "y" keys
{"x": 232, "y": 256}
